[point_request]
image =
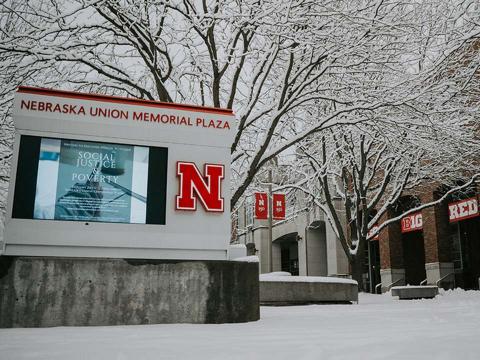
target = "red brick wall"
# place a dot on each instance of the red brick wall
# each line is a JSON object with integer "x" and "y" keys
{"x": 390, "y": 242}
{"x": 438, "y": 247}
{"x": 435, "y": 230}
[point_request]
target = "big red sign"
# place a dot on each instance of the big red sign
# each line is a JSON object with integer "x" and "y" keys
{"x": 412, "y": 222}
{"x": 193, "y": 186}
{"x": 463, "y": 209}
{"x": 279, "y": 209}
{"x": 261, "y": 206}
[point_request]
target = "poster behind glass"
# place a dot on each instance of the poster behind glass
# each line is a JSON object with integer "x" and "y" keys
{"x": 91, "y": 181}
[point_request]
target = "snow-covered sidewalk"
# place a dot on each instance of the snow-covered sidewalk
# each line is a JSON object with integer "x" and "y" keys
{"x": 379, "y": 327}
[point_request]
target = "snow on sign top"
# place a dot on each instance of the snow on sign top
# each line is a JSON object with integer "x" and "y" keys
{"x": 143, "y": 119}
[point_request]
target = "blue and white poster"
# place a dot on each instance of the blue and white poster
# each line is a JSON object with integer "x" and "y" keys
{"x": 90, "y": 181}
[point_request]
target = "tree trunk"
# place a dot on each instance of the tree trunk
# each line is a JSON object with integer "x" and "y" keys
{"x": 357, "y": 272}
{"x": 357, "y": 265}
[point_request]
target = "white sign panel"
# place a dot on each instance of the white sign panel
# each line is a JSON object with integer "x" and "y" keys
{"x": 102, "y": 176}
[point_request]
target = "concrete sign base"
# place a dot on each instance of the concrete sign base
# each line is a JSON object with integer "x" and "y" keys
{"x": 46, "y": 291}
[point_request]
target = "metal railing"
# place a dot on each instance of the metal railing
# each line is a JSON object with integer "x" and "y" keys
{"x": 444, "y": 277}
{"x": 424, "y": 282}
{"x": 387, "y": 287}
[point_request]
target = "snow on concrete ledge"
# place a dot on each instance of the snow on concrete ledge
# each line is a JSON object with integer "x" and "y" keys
{"x": 250, "y": 259}
{"x": 414, "y": 287}
{"x": 276, "y": 273}
{"x": 237, "y": 246}
{"x": 286, "y": 277}
{"x": 414, "y": 292}
{"x": 284, "y": 289}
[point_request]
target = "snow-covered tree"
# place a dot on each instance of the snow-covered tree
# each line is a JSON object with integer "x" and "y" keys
{"x": 356, "y": 174}
{"x": 271, "y": 61}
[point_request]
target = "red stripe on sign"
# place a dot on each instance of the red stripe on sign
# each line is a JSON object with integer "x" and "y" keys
{"x": 120, "y": 100}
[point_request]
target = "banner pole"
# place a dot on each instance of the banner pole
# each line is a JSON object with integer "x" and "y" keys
{"x": 270, "y": 221}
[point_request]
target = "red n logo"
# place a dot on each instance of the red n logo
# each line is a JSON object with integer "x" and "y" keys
{"x": 193, "y": 185}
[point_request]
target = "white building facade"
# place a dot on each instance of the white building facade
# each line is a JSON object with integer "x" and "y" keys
{"x": 304, "y": 244}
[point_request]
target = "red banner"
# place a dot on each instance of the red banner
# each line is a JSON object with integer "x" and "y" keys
{"x": 464, "y": 209}
{"x": 279, "y": 208}
{"x": 412, "y": 222}
{"x": 261, "y": 206}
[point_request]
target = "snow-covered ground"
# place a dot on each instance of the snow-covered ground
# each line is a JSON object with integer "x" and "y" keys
{"x": 379, "y": 327}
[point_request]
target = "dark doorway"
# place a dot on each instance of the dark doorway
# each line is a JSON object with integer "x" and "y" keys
{"x": 289, "y": 253}
{"x": 414, "y": 257}
{"x": 469, "y": 231}
{"x": 412, "y": 244}
{"x": 374, "y": 263}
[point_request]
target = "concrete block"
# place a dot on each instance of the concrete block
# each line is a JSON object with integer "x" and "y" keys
{"x": 48, "y": 291}
{"x": 415, "y": 292}
{"x": 307, "y": 290}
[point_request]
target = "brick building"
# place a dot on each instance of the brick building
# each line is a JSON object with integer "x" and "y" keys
{"x": 445, "y": 249}
{"x": 440, "y": 244}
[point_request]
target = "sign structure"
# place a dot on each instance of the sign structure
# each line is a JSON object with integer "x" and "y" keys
{"x": 102, "y": 176}
{"x": 463, "y": 209}
{"x": 412, "y": 222}
{"x": 279, "y": 208}
{"x": 261, "y": 206}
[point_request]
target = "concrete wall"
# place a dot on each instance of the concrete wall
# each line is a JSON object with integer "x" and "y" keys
{"x": 317, "y": 252}
{"x": 297, "y": 292}
{"x": 277, "y": 257}
{"x": 47, "y": 291}
{"x": 302, "y": 249}
{"x": 237, "y": 251}
{"x": 261, "y": 244}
